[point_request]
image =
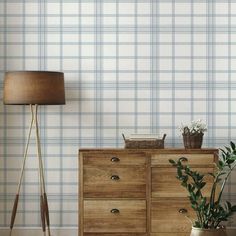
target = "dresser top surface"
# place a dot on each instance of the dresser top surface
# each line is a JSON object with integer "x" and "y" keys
{"x": 165, "y": 150}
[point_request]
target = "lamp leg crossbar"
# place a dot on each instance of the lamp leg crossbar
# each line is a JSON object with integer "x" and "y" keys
{"x": 44, "y": 210}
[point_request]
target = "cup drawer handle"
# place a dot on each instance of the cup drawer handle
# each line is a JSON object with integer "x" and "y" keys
{"x": 115, "y": 177}
{"x": 183, "y": 211}
{"x": 115, "y": 159}
{"x": 115, "y": 211}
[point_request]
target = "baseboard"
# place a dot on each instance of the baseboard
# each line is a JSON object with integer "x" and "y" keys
{"x": 62, "y": 232}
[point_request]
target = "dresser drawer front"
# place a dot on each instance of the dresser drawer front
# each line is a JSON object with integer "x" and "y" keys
{"x": 193, "y": 159}
{"x": 115, "y": 182}
{"x": 114, "y": 159}
{"x": 170, "y": 234}
{"x": 114, "y": 216}
{"x": 117, "y": 234}
{"x": 165, "y": 183}
{"x": 166, "y": 217}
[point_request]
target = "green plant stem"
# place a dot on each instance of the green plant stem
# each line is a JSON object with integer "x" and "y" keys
{"x": 212, "y": 196}
{"x": 224, "y": 182}
{"x": 199, "y": 218}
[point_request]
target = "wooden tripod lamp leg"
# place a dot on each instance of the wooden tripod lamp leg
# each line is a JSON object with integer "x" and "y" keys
{"x": 14, "y": 210}
{"x": 44, "y": 201}
{"x": 42, "y": 208}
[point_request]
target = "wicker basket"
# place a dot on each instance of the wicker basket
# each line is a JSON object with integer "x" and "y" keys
{"x": 193, "y": 141}
{"x": 144, "y": 143}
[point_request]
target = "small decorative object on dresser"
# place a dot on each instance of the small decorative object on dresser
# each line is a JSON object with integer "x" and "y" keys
{"x": 134, "y": 192}
{"x": 144, "y": 141}
{"x": 193, "y": 134}
{"x": 210, "y": 212}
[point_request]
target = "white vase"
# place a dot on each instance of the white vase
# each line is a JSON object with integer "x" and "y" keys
{"x": 208, "y": 232}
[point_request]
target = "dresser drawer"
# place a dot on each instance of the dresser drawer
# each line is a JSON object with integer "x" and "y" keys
{"x": 114, "y": 159}
{"x": 118, "y": 234}
{"x": 193, "y": 159}
{"x": 115, "y": 182}
{"x": 167, "y": 218}
{"x": 165, "y": 184}
{"x": 170, "y": 234}
{"x": 114, "y": 216}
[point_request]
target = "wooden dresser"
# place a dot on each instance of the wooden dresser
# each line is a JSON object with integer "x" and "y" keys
{"x": 126, "y": 192}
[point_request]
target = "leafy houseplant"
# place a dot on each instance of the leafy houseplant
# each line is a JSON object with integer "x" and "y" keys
{"x": 210, "y": 212}
{"x": 193, "y": 133}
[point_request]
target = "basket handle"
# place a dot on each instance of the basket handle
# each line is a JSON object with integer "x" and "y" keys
{"x": 164, "y": 136}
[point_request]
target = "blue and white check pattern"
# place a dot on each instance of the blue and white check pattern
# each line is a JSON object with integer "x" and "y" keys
{"x": 130, "y": 66}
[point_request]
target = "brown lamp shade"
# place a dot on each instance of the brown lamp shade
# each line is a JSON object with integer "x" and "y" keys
{"x": 34, "y": 87}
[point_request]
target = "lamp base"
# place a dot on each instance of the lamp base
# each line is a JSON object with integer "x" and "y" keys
{"x": 43, "y": 196}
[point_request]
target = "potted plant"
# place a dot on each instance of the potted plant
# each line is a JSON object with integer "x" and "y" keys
{"x": 193, "y": 134}
{"x": 210, "y": 211}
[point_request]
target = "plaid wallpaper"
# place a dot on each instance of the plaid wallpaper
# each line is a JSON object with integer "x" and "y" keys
{"x": 130, "y": 66}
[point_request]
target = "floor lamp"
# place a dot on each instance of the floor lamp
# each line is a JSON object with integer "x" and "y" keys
{"x": 34, "y": 88}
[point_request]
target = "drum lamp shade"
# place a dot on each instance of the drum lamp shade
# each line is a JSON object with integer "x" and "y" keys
{"x": 34, "y": 87}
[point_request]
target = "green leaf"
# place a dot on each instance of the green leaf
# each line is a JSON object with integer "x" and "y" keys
{"x": 230, "y": 161}
{"x": 179, "y": 172}
{"x": 228, "y": 149}
{"x": 172, "y": 162}
{"x": 228, "y": 205}
{"x": 202, "y": 184}
{"x": 232, "y": 145}
{"x": 233, "y": 208}
{"x": 194, "y": 207}
{"x": 203, "y": 202}
{"x": 222, "y": 150}
{"x": 222, "y": 173}
{"x": 211, "y": 174}
{"x": 198, "y": 194}
{"x": 221, "y": 163}
{"x": 197, "y": 224}
{"x": 233, "y": 156}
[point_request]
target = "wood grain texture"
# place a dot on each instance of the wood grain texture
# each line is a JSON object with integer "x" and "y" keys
{"x": 116, "y": 234}
{"x": 81, "y": 198}
{"x": 193, "y": 159}
{"x": 165, "y": 184}
{"x": 105, "y": 159}
{"x": 131, "y": 182}
{"x": 147, "y": 194}
{"x": 152, "y": 151}
{"x": 166, "y": 217}
{"x": 131, "y": 216}
{"x": 170, "y": 234}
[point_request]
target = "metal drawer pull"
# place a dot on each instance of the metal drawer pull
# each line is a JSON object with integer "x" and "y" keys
{"x": 115, "y": 211}
{"x": 115, "y": 177}
{"x": 183, "y": 211}
{"x": 115, "y": 159}
{"x": 184, "y": 159}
